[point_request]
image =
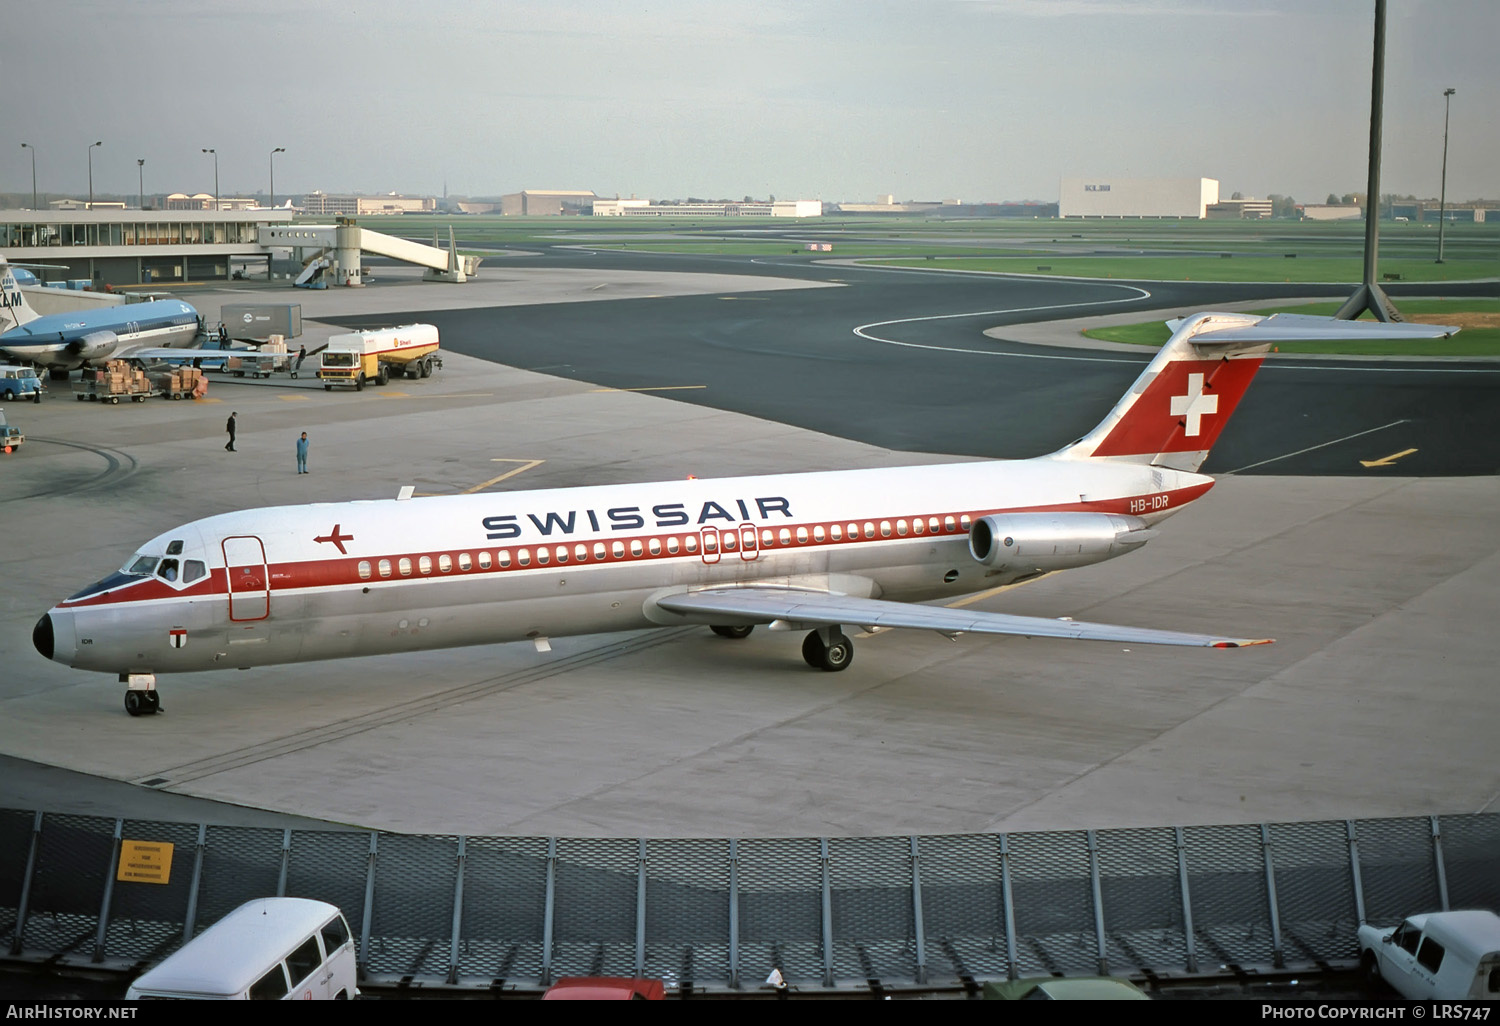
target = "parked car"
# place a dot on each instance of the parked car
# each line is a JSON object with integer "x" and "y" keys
{"x": 1436, "y": 956}
{"x": 1064, "y": 988}
{"x": 605, "y": 988}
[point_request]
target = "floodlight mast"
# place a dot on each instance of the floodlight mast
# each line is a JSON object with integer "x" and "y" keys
{"x": 1443, "y": 195}
{"x": 1369, "y": 296}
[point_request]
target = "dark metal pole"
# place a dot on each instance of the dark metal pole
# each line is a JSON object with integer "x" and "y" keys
{"x": 91, "y": 172}
{"x": 1369, "y": 295}
{"x": 1443, "y": 195}
{"x": 140, "y": 168}
{"x": 279, "y": 149}
{"x": 28, "y": 146}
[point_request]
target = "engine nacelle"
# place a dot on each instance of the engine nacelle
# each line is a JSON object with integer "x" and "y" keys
{"x": 96, "y": 345}
{"x": 1054, "y": 541}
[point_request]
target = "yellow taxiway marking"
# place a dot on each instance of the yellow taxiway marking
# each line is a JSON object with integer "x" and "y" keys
{"x": 981, "y": 595}
{"x": 525, "y": 466}
{"x": 292, "y": 398}
{"x": 1386, "y": 461}
{"x": 392, "y": 395}
{"x": 653, "y": 388}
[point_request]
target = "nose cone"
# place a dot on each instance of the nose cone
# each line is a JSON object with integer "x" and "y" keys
{"x": 42, "y": 636}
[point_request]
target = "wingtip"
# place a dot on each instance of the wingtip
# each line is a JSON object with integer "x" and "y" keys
{"x": 1244, "y": 643}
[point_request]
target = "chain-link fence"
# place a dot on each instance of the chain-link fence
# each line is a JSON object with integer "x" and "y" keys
{"x": 490, "y": 912}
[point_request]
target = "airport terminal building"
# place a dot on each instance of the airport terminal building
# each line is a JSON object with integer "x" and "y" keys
{"x": 1104, "y": 197}
{"x": 140, "y": 247}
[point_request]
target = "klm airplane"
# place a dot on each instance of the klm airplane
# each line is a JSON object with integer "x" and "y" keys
{"x": 66, "y": 341}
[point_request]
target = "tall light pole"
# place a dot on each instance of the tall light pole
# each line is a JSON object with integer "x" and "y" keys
{"x": 91, "y": 172}
{"x": 28, "y": 146}
{"x": 216, "y": 177}
{"x": 279, "y": 149}
{"x": 1443, "y": 196}
{"x": 140, "y": 169}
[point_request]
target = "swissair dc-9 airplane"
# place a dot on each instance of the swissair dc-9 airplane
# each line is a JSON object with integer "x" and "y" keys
{"x": 67, "y": 341}
{"x": 813, "y": 552}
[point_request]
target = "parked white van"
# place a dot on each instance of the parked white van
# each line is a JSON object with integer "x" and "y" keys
{"x": 1440, "y": 955}
{"x": 267, "y": 949}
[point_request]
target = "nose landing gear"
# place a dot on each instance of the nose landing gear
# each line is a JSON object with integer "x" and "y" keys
{"x": 141, "y": 696}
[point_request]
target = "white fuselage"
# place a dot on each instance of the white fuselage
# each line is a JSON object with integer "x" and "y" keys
{"x": 325, "y": 581}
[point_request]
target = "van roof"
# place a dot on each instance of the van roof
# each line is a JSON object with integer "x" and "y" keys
{"x": 237, "y": 950}
{"x": 1476, "y": 932}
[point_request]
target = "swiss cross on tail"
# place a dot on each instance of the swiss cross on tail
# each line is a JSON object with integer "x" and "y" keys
{"x": 1183, "y": 409}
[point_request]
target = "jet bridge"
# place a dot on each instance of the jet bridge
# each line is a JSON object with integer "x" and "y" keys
{"x": 336, "y": 248}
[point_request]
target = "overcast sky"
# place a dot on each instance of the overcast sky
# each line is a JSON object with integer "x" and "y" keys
{"x": 979, "y": 100}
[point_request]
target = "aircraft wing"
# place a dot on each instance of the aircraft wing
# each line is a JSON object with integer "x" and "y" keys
{"x": 821, "y": 608}
{"x": 169, "y": 354}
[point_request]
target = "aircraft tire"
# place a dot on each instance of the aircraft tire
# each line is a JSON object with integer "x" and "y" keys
{"x": 731, "y": 632}
{"x": 135, "y": 703}
{"x": 813, "y": 649}
{"x": 839, "y": 655}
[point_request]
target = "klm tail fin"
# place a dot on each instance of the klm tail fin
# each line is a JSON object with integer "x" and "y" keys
{"x": 14, "y": 310}
{"x": 1175, "y": 410}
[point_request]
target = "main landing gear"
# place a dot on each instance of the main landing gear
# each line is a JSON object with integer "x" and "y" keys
{"x": 141, "y": 696}
{"x": 824, "y": 649}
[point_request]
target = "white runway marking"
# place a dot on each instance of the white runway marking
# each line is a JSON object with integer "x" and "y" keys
{"x": 1321, "y": 445}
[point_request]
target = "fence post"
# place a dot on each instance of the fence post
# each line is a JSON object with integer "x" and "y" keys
{"x": 458, "y": 909}
{"x": 734, "y": 913}
{"x": 1352, "y": 834}
{"x": 549, "y": 911}
{"x": 364, "y": 926}
{"x": 21, "y": 906}
{"x": 916, "y": 910}
{"x": 1278, "y": 959}
{"x": 286, "y": 860}
{"x": 109, "y": 893}
{"x": 1187, "y": 901}
{"x": 192, "y": 906}
{"x": 823, "y": 858}
{"x": 640, "y": 909}
{"x": 1437, "y": 861}
{"x": 1093, "y": 845}
{"x": 1012, "y": 971}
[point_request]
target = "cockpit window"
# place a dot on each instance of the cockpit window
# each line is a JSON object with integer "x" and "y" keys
{"x": 192, "y": 570}
{"x": 143, "y": 565}
{"x": 168, "y": 570}
{"x": 174, "y": 548}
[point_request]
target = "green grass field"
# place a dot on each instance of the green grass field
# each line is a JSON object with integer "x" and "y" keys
{"x": 1215, "y": 268}
{"x": 1471, "y": 341}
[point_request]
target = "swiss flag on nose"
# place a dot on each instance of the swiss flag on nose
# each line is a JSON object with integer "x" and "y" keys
{"x": 1182, "y": 409}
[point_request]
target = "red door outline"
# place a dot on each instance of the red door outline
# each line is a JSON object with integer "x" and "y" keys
{"x": 749, "y": 542}
{"x": 710, "y": 541}
{"x": 248, "y": 578}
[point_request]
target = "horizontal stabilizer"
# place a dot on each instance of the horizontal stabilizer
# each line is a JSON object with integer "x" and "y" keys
{"x": 821, "y": 608}
{"x": 1285, "y": 327}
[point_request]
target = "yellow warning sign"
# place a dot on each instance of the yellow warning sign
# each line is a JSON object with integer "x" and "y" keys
{"x": 145, "y": 862}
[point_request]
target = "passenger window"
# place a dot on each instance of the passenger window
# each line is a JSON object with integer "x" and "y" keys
{"x": 655, "y": 546}
{"x": 484, "y": 561}
{"x": 768, "y": 537}
{"x": 562, "y": 553}
{"x": 690, "y": 544}
{"x": 599, "y": 550}
{"x": 385, "y": 568}
{"x": 617, "y": 549}
{"x": 580, "y": 552}
{"x": 503, "y": 557}
{"x": 270, "y": 987}
{"x": 885, "y": 529}
{"x": 916, "y": 525}
{"x": 303, "y": 962}
{"x": 729, "y": 541}
{"x": 543, "y": 555}
{"x": 947, "y": 523}
{"x": 445, "y": 563}
{"x": 168, "y": 570}
{"x": 194, "y": 569}
{"x": 424, "y": 564}
{"x": 335, "y": 934}
{"x": 635, "y": 547}
{"x": 364, "y": 569}
{"x": 523, "y": 557}
{"x": 404, "y": 566}
{"x": 869, "y": 529}
{"x": 710, "y": 541}
{"x": 1430, "y": 955}
{"x": 818, "y": 533}
{"x": 673, "y": 545}
{"x": 836, "y": 533}
{"x": 901, "y": 528}
{"x": 965, "y": 522}
{"x": 465, "y": 563}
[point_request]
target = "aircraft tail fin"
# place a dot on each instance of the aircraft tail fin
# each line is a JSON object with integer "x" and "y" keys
{"x": 1174, "y": 412}
{"x": 16, "y": 311}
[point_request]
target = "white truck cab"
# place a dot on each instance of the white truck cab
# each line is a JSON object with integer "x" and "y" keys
{"x": 267, "y": 949}
{"x": 1436, "y": 956}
